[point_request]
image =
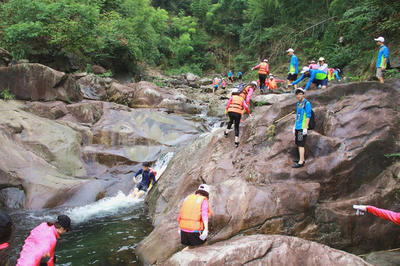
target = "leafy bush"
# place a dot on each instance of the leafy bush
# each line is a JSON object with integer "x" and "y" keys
{"x": 7, "y": 95}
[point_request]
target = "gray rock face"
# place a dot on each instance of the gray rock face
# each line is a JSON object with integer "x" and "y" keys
{"x": 265, "y": 250}
{"x": 12, "y": 198}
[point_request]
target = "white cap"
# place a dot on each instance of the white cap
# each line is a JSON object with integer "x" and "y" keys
{"x": 321, "y": 59}
{"x": 305, "y": 69}
{"x": 271, "y": 75}
{"x": 289, "y": 50}
{"x": 204, "y": 187}
{"x": 253, "y": 83}
{"x": 380, "y": 39}
{"x": 299, "y": 90}
{"x": 265, "y": 60}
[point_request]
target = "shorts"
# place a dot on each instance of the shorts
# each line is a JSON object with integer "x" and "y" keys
{"x": 379, "y": 72}
{"x": 299, "y": 138}
{"x": 292, "y": 77}
{"x": 191, "y": 239}
{"x": 323, "y": 82}
{"x": 141, "y": 186}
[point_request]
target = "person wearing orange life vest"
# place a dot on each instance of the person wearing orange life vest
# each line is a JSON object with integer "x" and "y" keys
{"x": 234, "y": 109}
{"x": 193, "y": 217}
{"x": 272, "y": 83}
{"x": 263, "y": 71}
{"x": 148, "y": 178}
{"x": 247, "y": 92}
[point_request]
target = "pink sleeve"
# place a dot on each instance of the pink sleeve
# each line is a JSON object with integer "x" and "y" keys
{"x": 256, "y": 67}
{"x": 385, "y": 214}
{"x": 249, "y": 95}
{"x": 246, "y": 107}
{"x": 229, "y": 102}
{"x": 204, "y": 211}
{"x": 279, "y": 80}
{"x": 179, "y": 216}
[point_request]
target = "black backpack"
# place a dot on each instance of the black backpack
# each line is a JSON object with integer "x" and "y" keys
{"x": 240, "y": 87}
{"x": 311, "y": 124}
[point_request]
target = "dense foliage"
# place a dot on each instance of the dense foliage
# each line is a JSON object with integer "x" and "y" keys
{"x": 198, "y": 35}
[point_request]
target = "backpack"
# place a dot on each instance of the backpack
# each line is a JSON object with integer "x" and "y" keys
{"x": 311, "y": 124}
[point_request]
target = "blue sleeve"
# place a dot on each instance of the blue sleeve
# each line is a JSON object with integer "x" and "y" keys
{"x": 312, "y": 77}
{"x": 308, "y": 109}
{"x": 298, "y": 80}
{"x": 139, "y": 172}
{"x": 386, "y": 52}
{"x": 337, "y": 75}
{"x": 296, "y": 65}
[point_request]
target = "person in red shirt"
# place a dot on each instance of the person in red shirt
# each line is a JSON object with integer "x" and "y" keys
{"x": 385, "y": 214}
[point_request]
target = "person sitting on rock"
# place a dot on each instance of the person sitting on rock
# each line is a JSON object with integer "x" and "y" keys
{"x": 313, "y": 65}
{"x": 148, "y": 178}
{"x": 385, "y": 214}
{"x": 303, "y": 116}
{"x": 42, "y": 241}
{"x": 272, "y": 83}
{"x": 6, "y": 228}
{"x": 193, "y": 218}
{"x": 317, "y": 78}
{"x": 234, "y": 109}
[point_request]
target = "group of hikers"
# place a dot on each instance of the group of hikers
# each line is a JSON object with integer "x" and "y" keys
{"x": 193, "y": 217}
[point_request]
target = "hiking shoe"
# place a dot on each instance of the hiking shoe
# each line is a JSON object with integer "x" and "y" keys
{"x": 225, "y": 134}
{"x": 296, "y": 161}
{"x": 297, "y": 165}
{"x": 236, "y": 144}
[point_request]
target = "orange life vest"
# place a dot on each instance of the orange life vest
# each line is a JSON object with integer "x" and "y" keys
{"x": 263, "y": 68}
{"x": 272, "y": 84}
{"x": 191, "y": 213}
{"x": 236, "y": 105}
{"x": 245, "y": 92}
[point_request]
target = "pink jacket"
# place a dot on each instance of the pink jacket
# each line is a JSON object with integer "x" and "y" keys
{"x": 204, "y": 214}
{"x": 313, "y": 66}
{"x": 42, "y": 240}
{"x": 385, "y": 214}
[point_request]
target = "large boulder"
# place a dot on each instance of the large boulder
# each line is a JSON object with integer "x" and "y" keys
{"x": 255, "y": 190}
{"x": 38, "y": 82}
{"x": 92, "y": 86}
{"x": 265, "y": 250}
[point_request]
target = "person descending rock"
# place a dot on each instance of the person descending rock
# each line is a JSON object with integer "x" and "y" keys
{"x": 383, "y": 58}
{"x": 42, "y": 241}
{"x": 230, "y": 75}
{"x": 322, "y": 65}
{"x": 263, "y": 71}
{"x": 313, "y": 65}
{"x": 272, "y": 83}
{"x": 148, "y": 178}
{"x": 239, "y": 75}
{"x": 293, "y": 66}
{"x": 333, "y": 73}
{"x": 234, "y": 109}
{"x": 193, "y": 217}
{"x": 317, "y": 77}
{"x": 223, "y": 84}
{"x": 303, "y": 116}
{"x": 6, "y": 229}
{"x": 385, "y": 214}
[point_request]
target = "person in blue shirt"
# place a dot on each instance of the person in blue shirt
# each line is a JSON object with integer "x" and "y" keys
{"x": 383, "y": 58}
{"x": 230, "y": 75}
{"x": 239, "y": 75}
{"x": 317, "y": 77}
{"x": 148, "y": 177}
{"x": 293, "y": 66}
{"x": 303, "y": 116}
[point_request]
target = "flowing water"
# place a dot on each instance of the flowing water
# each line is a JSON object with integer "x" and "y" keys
{"x": 104, "y": 233}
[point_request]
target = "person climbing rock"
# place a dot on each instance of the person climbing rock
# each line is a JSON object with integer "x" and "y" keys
{"x": 322, "y": 65}
{"x": 313, "y": 65}
{"x": 234, "y": 109}
{"x": 383, "y": 58}
{"x": 6, "y": 229}
{"x": 317, "y": 78}
{"x": 293, "y": 66}
{"x": 148, "y": 178}
{"x": 272, "y": 83}
{"x": 300, "y": 127}
{"x": 193, "y": 218}
{"x": 382, "y": 213}
{"x": 239, "y": 75}
{"x": 333, "y": 73}
{"x": 223, "y": 84}
{"x": 230, "y": 76}
{"x": 263, "y": 71}
{"x": 42, "y": 241}
{"x": 216, "y": 83}
{"x": 247, "y": 92}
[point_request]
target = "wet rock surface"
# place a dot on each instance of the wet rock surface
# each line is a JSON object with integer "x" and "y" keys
{"x": 255, "y": 190}
{"x": 265, "y": 250}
